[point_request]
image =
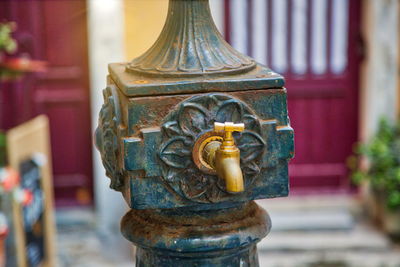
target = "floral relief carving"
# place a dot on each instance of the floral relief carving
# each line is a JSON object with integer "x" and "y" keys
{"x": 107, "y": 138}
{"x": 186, "y": 124}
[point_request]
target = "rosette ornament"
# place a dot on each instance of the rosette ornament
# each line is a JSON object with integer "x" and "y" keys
{"x": 183, "y": 127}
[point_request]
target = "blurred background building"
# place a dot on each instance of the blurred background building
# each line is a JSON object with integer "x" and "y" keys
{"x": 340, "y": 59}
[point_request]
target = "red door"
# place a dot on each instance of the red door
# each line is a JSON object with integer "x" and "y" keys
{"x": 55, "y": 31}
{"x": 314, "y": 44}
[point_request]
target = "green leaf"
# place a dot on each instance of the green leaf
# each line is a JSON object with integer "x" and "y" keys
{"x": 7, "y": 43}
{"x": 383, "y": 154}
{"x": 2, "y": 149}
{"x": 393, "y": 201}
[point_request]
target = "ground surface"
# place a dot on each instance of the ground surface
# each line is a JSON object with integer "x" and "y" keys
{"x": 307, "y": 232}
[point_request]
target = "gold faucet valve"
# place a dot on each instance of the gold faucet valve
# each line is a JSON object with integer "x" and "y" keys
{"x": 228, "y": 128}
{"x": 226, "y": 158}
{"x": 215, "y": 153}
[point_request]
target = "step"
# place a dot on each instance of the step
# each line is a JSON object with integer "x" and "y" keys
{"x": 361, "y": 237}
{"x": 310, "y": 213}
{"x": 319, "y": 223}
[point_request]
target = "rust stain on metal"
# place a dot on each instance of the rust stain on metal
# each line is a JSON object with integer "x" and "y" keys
{"x": 141, "y": 82}
{"x": 154, "y": 225}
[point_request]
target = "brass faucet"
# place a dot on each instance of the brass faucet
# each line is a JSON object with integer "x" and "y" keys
{"x": 224, "y": 157}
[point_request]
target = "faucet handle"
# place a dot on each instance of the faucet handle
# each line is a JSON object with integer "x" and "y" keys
{"x": 228, "y": 128}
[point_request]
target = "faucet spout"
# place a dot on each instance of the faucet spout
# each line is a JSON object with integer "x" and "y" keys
{"x": 227, "y": 165}
{"x": 223, "y": 156}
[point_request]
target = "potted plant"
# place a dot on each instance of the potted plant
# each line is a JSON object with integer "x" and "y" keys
{"x": 12, "y": 66}
{"x": 383, "y": 174}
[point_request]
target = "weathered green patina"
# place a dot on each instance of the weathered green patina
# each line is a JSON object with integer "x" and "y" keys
{"x": 156, "y": 108}
{"x": 161, "y": 156}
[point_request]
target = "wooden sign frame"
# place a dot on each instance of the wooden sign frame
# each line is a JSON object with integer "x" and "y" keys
{"x": 23, "y": 142}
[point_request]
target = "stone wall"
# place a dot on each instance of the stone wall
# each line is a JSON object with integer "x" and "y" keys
{"x": 106, "y": 44}
{"x": 380, "y": 70}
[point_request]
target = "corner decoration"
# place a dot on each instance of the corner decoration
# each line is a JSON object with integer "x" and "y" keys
{"x": 108, "y": 134}
{"x": 193, "y": 118}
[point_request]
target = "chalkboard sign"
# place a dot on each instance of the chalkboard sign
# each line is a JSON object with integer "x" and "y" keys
{"x": 33, "y": 231}
{"x": 33, "y": 212}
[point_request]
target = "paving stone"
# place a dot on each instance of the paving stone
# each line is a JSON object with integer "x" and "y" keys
{"x": 330, "y": 259}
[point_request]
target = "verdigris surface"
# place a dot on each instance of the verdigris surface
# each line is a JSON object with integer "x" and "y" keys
{"x": 157, "y": 124}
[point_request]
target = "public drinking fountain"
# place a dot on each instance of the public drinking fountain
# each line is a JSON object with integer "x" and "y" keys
{"x": 190, "y": 133}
